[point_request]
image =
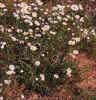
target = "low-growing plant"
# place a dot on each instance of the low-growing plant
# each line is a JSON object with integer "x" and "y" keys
{"x": 35, "y": 42}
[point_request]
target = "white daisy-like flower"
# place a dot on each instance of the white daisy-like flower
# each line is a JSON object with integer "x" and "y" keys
{"x": 1, "y": 98}
{"x": 75, "y": 7}
{"x": 2, "y": 47}
{"x": 53, "y": 33}
{"x": 37, "y": 63}
{"x": 77, "y": 39}
{"x": 12, "y": 67}
{"x": 82, "y": 19}
{"x": 29, "y": 44}
{"x": 25, "y": 33}
{"x": 80, "y": 6}
{"x": 31, "y": 24}
{"x": 42, "y": 76}
{"x": 64, "y": 23}
{"x": 7, "y": 82}
{"x": 77, "y": 16}
{"x": 56, "y": 76}
{"x": 54, "y": 8}
{"x": 75, "y": 52}
{"x": 36, "y": 79}
{"x": 59, "y": 18}
{"x": 21, "y": 71}
{"x": 13, "y": 38}
{"x": 45, "y": 28}
{"x": 25, "y": 11}
{"x": 22, "y": 96}
{"x": 35, "y": 8}
{"x": 16, "y": 15}
{"x": 38, "y": 35}
{"x": 37, "y": 23}
{"x": 34, "y": 14}
{"x": 71, "y": 42}
{"x": 10, "y": 72}
{"x": 33, "y": 48}
{"x": 65, "y": 19}
{"x": 9, "y": 30}
{"x": 39, "y": 2}
{"x": 69, "y": 72}
{"x": 2, "y": 5}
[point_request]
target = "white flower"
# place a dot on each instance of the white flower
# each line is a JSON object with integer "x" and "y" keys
{"x": 45, "y": 28}
{"x": 39, "y": 2}
{"x": 9, "y": 30}
{"x": 24, "y": 5}
{"x": 37, "y": 23}
{"x": 29, "y": 44}
{"x": 68, "y": 16}
{"x": 25, "y": 33}
{"x": 69, "y": 72}
{"x": 13, "y": 38}
{"x": 3, "y": 43}
{"x": 21, "y": 42}
{"x": 59, "y": 18}
{"x": 31, "y": 24}
{"x": 38, "y": 35}
{"x": 56, "y": 76}
{"x": 34, "y": 14}
{"x": 71, "y": 42}
{"x": 74, "y": 23}
{"x": 45, "y": 13}
{"x": 55, "y": 22}
{"x": 30, "y": 30}
{"x": 75, "y": 52}
{"x": 1, "y": 98}
{"x": 5, "y": 10}
{"x": 11, "y": 67}
{"x": 22, "y": 96}
{"x": 26, "y": 38}
{"x": 37, "y": 63}
{"x": 16, "y": 15}
{"x": 35, "y": 8}
{"x": 65, "y": 19}
{"x": 77, "y": 16}
{"x": 53, "y": 33}
{"x": 27, "y": 21}
{"x": 69, "y": 29}
{"x": 21, "y": 71}
{"x": 2, "y": 29}
{"x": 2, "y": 5}
{"x": 55, "y": 8}
{"x": 2, "y": 47}
{"x": 81, "y": 19}
{"x": 33, "y": 48}
{"x": 74, "y": 7}
{"x": 80, "y": 6}
{"x": 36, "y": 79}
{"x": 77, "y": 39}
{"x": 25, "y": 11}
{"x": 42, "y": 77}
{"x": 19, "y": 30}
{"x": 10, "y": 72}
{"x": 7, "y": 82}
{"x": 42, "y": 54}
{"x": 64, "y": 23}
